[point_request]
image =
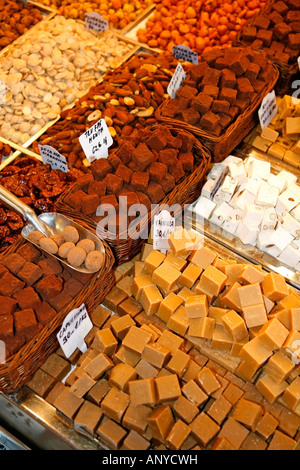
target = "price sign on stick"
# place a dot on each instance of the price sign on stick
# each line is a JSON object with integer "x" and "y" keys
{"x": 176, "y": 81}
{"x": 164, "y": 225}
{"x": 53, "y": 158}
{"x": 96, "y": 141}
{"x": 75, "y": 327}
{"x": 268, "y": 109}
{"x": 96, "y": 22}
{"x": 182, "y": 52}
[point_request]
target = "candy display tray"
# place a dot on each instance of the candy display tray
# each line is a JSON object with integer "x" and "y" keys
{"x": 250, "y": 253}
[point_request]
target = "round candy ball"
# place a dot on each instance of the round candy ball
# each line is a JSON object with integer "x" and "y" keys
{"x": 35, "y": 236}
{"x": 64, "y": 249}
{"x": 87, "y": 245}
{"x": 70, "y": 234}
{"x": 48, "y": 245}
{"x": 76, "y": 256}
{"x": 94, "y": 261}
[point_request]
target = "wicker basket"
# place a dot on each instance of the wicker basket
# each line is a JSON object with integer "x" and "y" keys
{"x": 220, "y": 147}
{"x": 20, "y": 367}
{"x": 287, "y": 72}
{"x": 125, "y": 247}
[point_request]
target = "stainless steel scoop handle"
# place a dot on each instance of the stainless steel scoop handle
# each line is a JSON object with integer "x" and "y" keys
{"x": 14, "y": 203}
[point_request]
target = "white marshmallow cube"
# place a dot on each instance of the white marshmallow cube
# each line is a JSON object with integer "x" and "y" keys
{"x": 247, "y": 234}
{"x": 220, "y": 214}
{"x": 286, "y": 202}
{"x": 252, "y": 215}
{"x": 281, "y": 238}
{"x": 267, "y": 195}
{"x": 204, "y": 207}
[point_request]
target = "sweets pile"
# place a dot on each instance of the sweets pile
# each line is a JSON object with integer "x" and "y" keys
{"x": 78, "y": 252}
{"x": 5, "y": 150}
{"x": 145, "y": 167}
{"x": 34, "y": 288}
{"x": 281, "y": 138}
{"x": 196, "y": 24}
{"x": 126, "y": 98}
{"x": 276, "y": 31}
{"x": 172, "y": 356}
{"x": 11, "y": 226}
{"x": 219, "y": 89}
{"x": 255, "y": 205}
{"x": 15, "y": 19}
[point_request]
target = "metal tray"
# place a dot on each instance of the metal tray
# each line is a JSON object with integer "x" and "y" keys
{"x": 231, "y": 242}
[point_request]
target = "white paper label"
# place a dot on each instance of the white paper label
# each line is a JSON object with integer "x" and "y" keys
{"x": 164, "y": 225}
{"x": 183, "y": 52}
{"x": 176, "y": 81}
{"x": 75, "y": 327}
{"x": 96, "y": 141}
{"x": 53, "y": 158}
{"x": 96, "y": 22}
{"x": 268, "y": 109}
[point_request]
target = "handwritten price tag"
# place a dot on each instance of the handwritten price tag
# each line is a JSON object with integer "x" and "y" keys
{"x": 75, "y": 327}
{"x": 176, "y": 81}
{"x": 164, "y": 225}
{"x": 182, "y": 52}
{"x": 53, "y": 158}
{"x": 268, "y": 109}
{"x": 96, "y": 141}
{"x": 96, "y": 22}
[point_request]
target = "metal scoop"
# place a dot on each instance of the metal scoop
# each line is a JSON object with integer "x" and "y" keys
{"x": 50, "y": 223}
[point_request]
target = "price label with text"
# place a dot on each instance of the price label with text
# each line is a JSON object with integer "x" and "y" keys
{"x": 53, "y": 158}
{"x": 75, "y": 327}
{"x": 96, "y": 22}
{"x": 176, "y": 81}
{"x": 164, "y": 225}
{"x": 268, "y": 109}
{"x": 96, "y": 141}
{"x": 183, "y": 52}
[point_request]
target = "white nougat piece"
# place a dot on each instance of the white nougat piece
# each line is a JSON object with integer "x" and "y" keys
{"x": 226, "y": 190}
{"x": 252, "y": 215}
{"x": 281, "y": 238}
{"x": 277, "y": 182}
{"x": 296, "y": 212}
{"x": 208, "y": 188}
{"x": 290, "y": 224}
{"x": 232, "y": 159}
{"x": 290, "y": 255}
{"x": 264, "y": 240}
{"x": 216, "y": 171}
{"x": 238, "y": 171}
{"x": 204, "y": 207}
{"x": 295, "y": 188}
{"x": 286, "y": 202}
{"x": 253, "y": 184}
{"x": 260, "y": 168}
{"x": 242, "y": 199}
{"x": 247, "y": 234}
{"x": 267, "y": 195}
{"x": 287, "y": 177}
{"x": 220, "y": 214}
{"x": 232, "y": 221}
{"x": 269, "y": 221}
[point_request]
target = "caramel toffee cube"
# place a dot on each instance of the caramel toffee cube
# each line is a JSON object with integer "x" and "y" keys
{"x": 88, "y": 418}
{"x": 269, "y": 389}
{"x": 185, "y": 409}
{"x": 250, "y": 295}
{"x": 279, "y": 367}
{"x": 273, "y": 334}
{"x": 160, "y": 422}
{"x": 142, "y": 391}
{"x": 212, "y": 281}
{"x": 291, "y": 395}
{"x": 82, "y": 385}
{"x": 167, "y": 387}
{"x": 221, "y": 339}
{"x": 233, "y": 393}
{"x": 135, "y": 418}
{"x": 181, "y": 243}
{"x": 207, "y": 380}
{"x": 136, "y": 339}
{"x": 153, "y": 261}
{"x": 178, "y": 434}
{"x": 234, "y": 432}
{"x": 111, "y": 433}
{"x": 68, "y": 404}
{"x": 176, "y": 261}
{"x": 56, "y": 366}
{"x": 295, "y": 318}
{"x": 255, "y": 353}
{"x": 190, "y": 275}
{"x": 235, "y": 325}
{"x": 248, "y": 413}
{"x": 130, "y": 307}
{"x": 202, "y": 327}
{"x": 196, "y": 306}
{"x": 114, "y": 298}
{"x": 168, "y": 306}
{"x": 204, "y": 429}
{"x": 139, "y": 283}
{"x": 135, "y": 441}
{"x": 194, "y": 393}
{"x": 121, "y": 374}
{"x": 115, "y": 403}
{"x": 170, "y": 340}
{"x": 105, "y": 342}
{"x": 255, "y": 315}
{"x": 120, "y": 326}
{"x": 98, "y": 366}
{"x": 41, "y": 383}
{"x": 98, "y": 391}
{"x": 156, "y": 354}
{"x": 179, "y": 322}
{"x": 219, "y": 410}
{"x": 281, "y": 441}
{"x": 178, "y": 362}
{"x": 166, "y": 276}
{"x": 266, "y": 426}
{"x": 274, "y": 287}
{"x": 151, "y": 299}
